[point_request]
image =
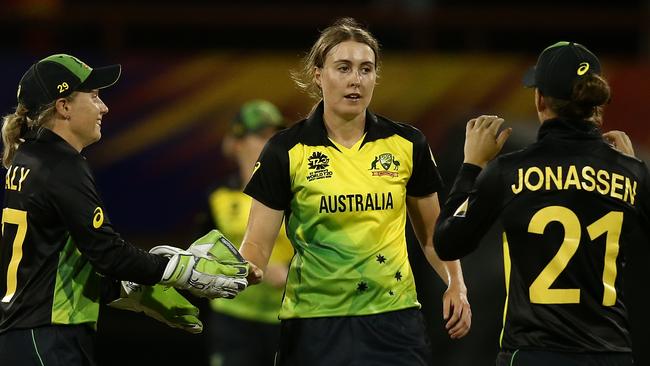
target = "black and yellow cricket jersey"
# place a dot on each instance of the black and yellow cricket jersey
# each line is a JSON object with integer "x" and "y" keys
{"x": 345, "y": 214}
{"x": 57, "y": 237}
{"x": 229, "y": 208}
{"x": 569, "y": 205}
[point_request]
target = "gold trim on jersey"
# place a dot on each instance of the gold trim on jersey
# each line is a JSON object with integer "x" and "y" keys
{"x": 506, "y": 270}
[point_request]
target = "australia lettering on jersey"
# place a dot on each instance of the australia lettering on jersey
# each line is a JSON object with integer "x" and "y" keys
{"x": 356, "y": 202}
{"x": 565, "y": 178}
{"x": 15, "y": 178}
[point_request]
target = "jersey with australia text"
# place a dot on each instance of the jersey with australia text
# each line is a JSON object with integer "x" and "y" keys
{"x": 345, "y": 212}
{"x": 570, "y": 206}
{"x": 60, "y": 256}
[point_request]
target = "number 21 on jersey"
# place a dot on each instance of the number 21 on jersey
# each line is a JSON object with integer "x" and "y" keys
{"x": 610, "y": 224}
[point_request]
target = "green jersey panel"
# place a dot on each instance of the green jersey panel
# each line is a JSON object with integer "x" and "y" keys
{"x": 76, "y": 291}
{"x": 346, "y": 214}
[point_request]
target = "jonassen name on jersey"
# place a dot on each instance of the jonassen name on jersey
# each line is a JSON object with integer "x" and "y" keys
{"x": 356, "y": 202}
{"x": 562, "y": 178}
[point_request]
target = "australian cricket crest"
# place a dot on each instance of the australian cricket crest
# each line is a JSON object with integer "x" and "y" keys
{"x": 386, "y": 161}
{"x": 318, "y": 164}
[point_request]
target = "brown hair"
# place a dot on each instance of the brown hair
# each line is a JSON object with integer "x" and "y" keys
{"x": 16, "y": 124}
{"x": 344, "y": 29}
{"x": 590, "y": 93}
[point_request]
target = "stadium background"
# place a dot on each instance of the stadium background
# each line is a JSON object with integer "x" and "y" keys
{"x": 188, "y": 65}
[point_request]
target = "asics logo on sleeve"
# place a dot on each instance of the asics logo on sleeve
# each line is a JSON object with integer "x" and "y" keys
{"x": 98, "y": 218}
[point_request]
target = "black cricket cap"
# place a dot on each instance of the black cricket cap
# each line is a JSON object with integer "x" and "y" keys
{"x": 557, "y": 68}
{"x": 60, "y": 75}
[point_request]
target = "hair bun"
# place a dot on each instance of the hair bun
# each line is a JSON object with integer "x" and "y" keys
{"x": 591, "y": 91}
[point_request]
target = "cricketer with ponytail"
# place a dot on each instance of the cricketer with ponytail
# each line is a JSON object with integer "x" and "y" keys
{"x": 569, "y": 222}
{"x": 60, "y": 257}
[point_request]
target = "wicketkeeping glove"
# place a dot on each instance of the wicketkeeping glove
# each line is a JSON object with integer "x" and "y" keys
{"x": 201, "y": 274}
{"x": 215, "y": 245}
{"x": 162, "y": 303}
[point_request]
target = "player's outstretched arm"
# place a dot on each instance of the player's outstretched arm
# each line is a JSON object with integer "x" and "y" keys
{"x": 263, "y": 226}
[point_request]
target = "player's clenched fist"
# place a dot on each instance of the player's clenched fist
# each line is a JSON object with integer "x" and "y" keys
{"x": 211, "y": 267}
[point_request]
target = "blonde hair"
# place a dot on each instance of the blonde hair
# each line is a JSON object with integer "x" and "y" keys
{"x": 16, "y": 124}
{"x": 344, "y": 29}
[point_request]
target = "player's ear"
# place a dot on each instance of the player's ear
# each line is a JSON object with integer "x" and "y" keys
{"x": 317, "y": 76}
{"x": 540, "y": 104}
{"x": 62, "y": 106}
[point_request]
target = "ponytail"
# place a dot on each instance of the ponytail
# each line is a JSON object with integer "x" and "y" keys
{"x": 590, "y": 93}
{"x": 15, "y": 125}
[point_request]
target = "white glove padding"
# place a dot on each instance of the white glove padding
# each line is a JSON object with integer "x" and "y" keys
{"x": 201, "y": 275}
{"x": 162, "y": 303}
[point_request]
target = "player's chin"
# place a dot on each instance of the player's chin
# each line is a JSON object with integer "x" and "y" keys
{"x": 350, "y": 110}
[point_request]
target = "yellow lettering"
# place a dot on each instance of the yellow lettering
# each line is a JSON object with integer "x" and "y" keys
{"x": 23, "y": 175}
{"x": 540, "y": 178}
{"x": 617, "y": 183}
{"x": 557, "y": 178}
{"x": 12, "y": 186}
{"x": 628, "y": 191}
{"x": 517, "y": 190}
{"x": 588, "y": 174}
{"x": 572, "y": 178}
{"x": 603, "y": 180}
{"x": 586, "y": 178}
{"x": 7, "y": 178}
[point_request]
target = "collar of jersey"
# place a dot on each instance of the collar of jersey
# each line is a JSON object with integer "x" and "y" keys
{"x": 315, "y": 134}
{"x": 569, "y": 129}
{"x": 46, "y": 135}
{"x": 355, "y": 147}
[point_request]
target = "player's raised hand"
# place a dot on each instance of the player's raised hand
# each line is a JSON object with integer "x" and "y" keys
{"x": 619, "y": 141}
{"x": 160, "y": 302}
{"x": 483, "y": 141}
